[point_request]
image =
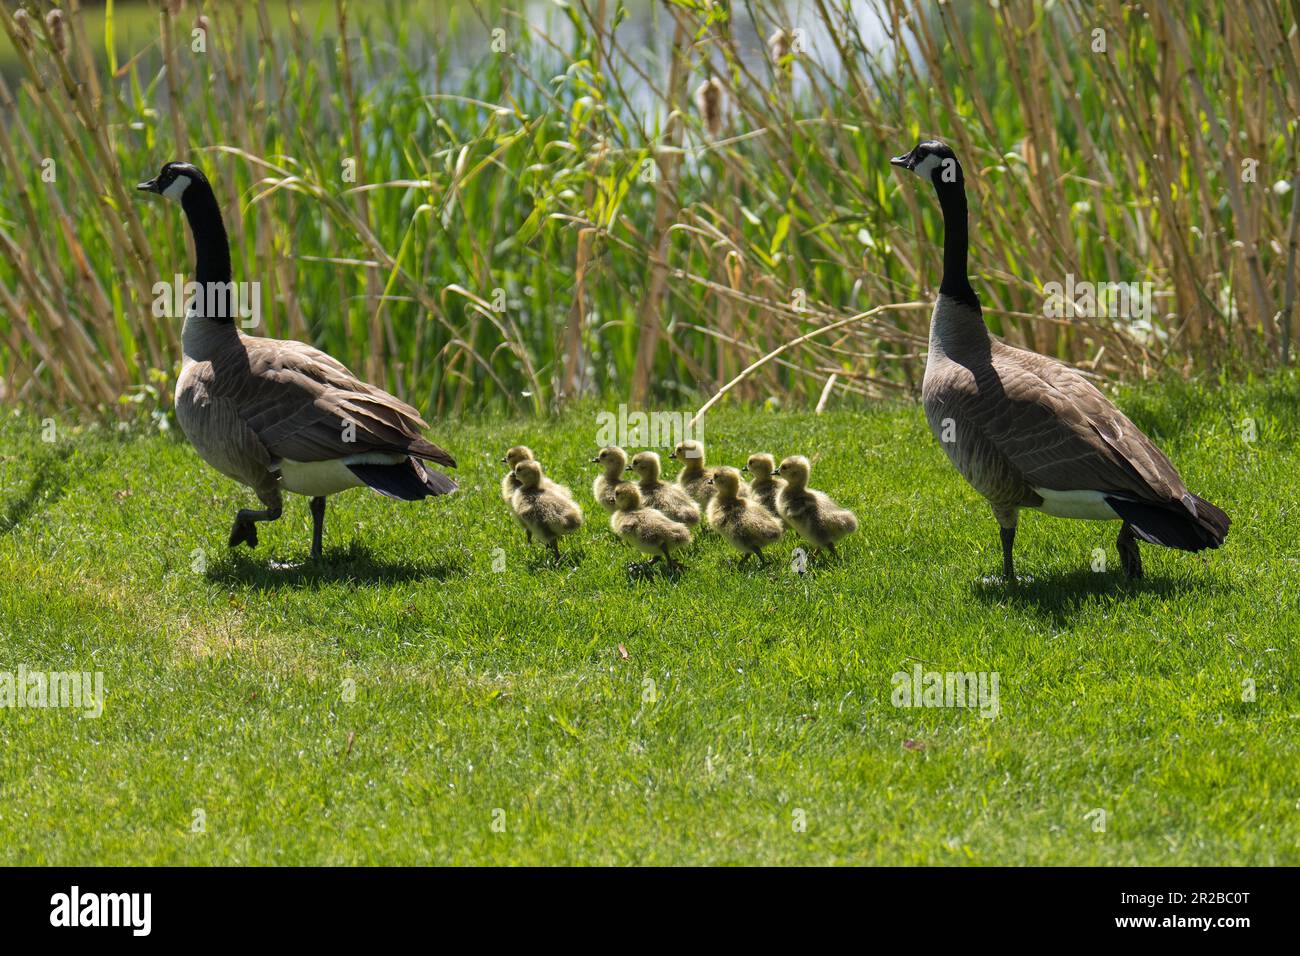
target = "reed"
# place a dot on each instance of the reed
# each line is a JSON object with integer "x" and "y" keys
{"x": 478, "y": 211}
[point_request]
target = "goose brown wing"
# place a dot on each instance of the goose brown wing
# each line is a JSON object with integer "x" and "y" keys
{"x": 306, "y": 406}
{"x": 1063, "y": 434}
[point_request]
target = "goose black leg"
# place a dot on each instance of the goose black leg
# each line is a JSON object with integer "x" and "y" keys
{"x": 555, "y": 549}
{"x": 1008, "y": 543}
{"x": 317, "y": 525}
{"x": 1007, "y": 519}
{"x": 245, "y": 527}
{"x": 1130, "y": 560}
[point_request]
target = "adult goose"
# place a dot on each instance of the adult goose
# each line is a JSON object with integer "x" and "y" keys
{"x": 276, "y": 415}
{"x": 1029, "y": 432}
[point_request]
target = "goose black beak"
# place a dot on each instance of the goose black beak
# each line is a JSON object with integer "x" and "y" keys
{"x": 628, "y": 468}
{"x": 744, "y": 468}
{"x": 148, "y": 186}
{"x": 906, "y": 161}
{"x": 672, "y": 455}
{"x": 595, "y": 461}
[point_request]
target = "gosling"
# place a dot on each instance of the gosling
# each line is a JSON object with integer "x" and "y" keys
{"x": 547, "y": 512}
{"x": 649, "y": 531}
{"x": 613, "y": 461}
{"x": 510, "y": 484}
{"x": 763, "y": 486}
{"x": 660, "y": 495}
{"x": 694, "y": 477}
{"x": 746, "y": 524}
{"x": 818, "y": 519}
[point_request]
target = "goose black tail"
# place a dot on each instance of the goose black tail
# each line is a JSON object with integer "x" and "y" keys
{"x": 409, "y": 480}
{"x": 1191, "y": 525}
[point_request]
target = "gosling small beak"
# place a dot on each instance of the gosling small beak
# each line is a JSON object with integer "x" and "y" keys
{"x": 744, "y": 468}
{"x": 595, "y": 461}
{"x": 148, "y": 186}
{"x": 672, "y": 455}
{"x": 629, "y": 468}
{"x": 503, "y": 461}
{"x": 709, "y": 482}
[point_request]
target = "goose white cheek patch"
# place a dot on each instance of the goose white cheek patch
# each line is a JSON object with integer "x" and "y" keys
{"x": 928, "y": 165}
{"x": 177, "y": 188}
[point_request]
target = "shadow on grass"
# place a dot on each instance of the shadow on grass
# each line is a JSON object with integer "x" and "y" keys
{"x": 1062, "y": 596}
{"x": 355, "y": 564}
{"x": 543, "y": 560}
{"x": 639, "y": 571}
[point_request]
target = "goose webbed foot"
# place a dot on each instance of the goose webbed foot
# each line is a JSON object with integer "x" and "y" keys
{"x": 1130, "y": 559}
{"x": 244, "y": 530}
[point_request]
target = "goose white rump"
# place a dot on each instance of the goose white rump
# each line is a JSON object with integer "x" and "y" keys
{"x": 318, "y": 478}
{"x": 1089, "y": 505}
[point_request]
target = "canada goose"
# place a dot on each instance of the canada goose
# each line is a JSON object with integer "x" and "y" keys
{"x": 281, "y": 415}
{"x": 694, "y": 477}
{"x": 745, "y": 523}
{"x": 612, "y": 460}
{"x": 545, "y": 512}
{"x": 763, "y": 486}
{"x": 509, "y": 483}
{"x": 648, "y": 530}
{"x": 660, "y": 495}
{"x": 1029, "y": 432}
{"x": 818, "y": 519}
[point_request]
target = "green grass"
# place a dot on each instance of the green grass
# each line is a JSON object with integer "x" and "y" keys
{"x": 477, "y": 690}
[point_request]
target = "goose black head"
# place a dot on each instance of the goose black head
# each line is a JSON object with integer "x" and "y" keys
{"x": 173, "y": 179}
{"x": 932, "y": 160}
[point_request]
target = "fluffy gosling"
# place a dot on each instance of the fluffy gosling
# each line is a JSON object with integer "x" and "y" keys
{"x": 763, "y": 486}
{"x": 660, "y": 495}
{"x": 694, "y": 477}
{"x": 510, "y": 484}
{"x": 546, "y": 512}
{"x": 613, "y": 461}
{"x": 818, "y": 519}
{"x": 649, "y": 531}
{"x": 743, "y": 522}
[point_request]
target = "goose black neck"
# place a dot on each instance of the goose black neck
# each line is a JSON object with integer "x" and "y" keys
{"x": 955, "y": 284}
{"x": 211, "y": 246}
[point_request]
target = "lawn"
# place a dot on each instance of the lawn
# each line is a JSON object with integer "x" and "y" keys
{"x": 420, "y": 696}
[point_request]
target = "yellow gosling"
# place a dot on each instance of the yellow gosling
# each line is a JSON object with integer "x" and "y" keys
{"x": 745, "y": 524}
{"x": 818, "y": 519}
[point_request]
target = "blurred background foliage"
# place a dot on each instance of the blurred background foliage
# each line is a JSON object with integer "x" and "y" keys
{"x": 483, "y": 206}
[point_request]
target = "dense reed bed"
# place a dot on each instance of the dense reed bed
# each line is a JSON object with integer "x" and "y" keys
{"x": 484, "y": 207}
